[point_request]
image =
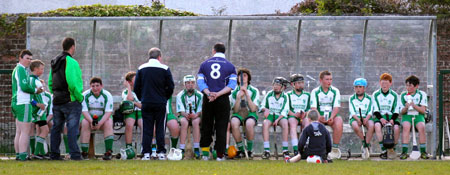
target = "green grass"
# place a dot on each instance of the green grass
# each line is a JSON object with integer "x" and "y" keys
{"x": 229, "y": 167}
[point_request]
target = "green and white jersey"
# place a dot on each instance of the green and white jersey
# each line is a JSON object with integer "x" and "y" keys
{"x": 97, "y": 105}
{"x": 135, "y": 99}
{"x": 169, "y": 110}
{"x": 21, "y": 87}
{"x": 252, "y": 91}
{"x": 300, "y": 102}
{"x": 419, "y": 98}
{"x": 183, "y": 101}
{"x": 325, "y": 101}
{"x": 47, "y": 98}
{"x": 36, "y": 83}
{"x": 354, "y": 104}
{"x": 385, "y": 103}
{"x": 279, "y": 106}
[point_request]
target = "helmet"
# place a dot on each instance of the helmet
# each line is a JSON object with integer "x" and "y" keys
{"x": 127, "y": 107}
{"x": 175, "y": 154}
{"x": 360, "y": 82}
{"x": 296, "y": 77}
{"x": 232, "y": 152}
{"x": 280, "y": 80}
{"x": 314, "y": 159}
{"x": 188, "y": 78}
{"x": 127, "y": 153}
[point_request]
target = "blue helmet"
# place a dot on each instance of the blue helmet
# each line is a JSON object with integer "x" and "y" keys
{"x": 360, "y": 82}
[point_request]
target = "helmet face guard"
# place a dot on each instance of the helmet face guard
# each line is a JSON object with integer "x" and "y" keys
{"x": 280, "y": 80}
{"x": 297, "y": 77}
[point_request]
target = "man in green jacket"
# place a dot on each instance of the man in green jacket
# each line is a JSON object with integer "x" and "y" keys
{"x": 66, "y": 84}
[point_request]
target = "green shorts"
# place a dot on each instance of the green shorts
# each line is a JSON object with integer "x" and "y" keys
{"x": 23, "y": 113}
{"x": 133, "y": 115}
{"x": 396, "y": 121}
{"x": 271, "y": 118}
{"x": 172, "y": 117}
{"x": 299, "y": 120}
{"x": 417, "y": 119}
{"x": 250, "y": 115}
{"x": 352, "y": 120}
{"x": 99, "y": 118}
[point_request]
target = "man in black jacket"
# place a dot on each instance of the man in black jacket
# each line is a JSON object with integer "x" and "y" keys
{"x": 315, "y": 140}
{"x": 153, "y": 86}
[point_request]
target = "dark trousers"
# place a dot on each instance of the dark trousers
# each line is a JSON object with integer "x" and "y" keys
{"x": 153, "y": 115}
{"x": 215, "y": 116}
{"x": 67, "y": 113}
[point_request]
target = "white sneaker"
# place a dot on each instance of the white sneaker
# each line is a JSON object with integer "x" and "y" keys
{"x": 146, "y": 156}
{"x": 205, "y": 158}
{"x": 365, "y": 153}
{"x": 154, "y": 155}
{"x": 335, "y": 153}
{"x": 162, "y": 156}
{"x": 220, "y": 159}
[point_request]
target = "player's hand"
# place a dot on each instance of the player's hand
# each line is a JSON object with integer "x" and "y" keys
{"x": 194, "y": 116}
{"x": 92, "y": 126}
{"x": 41, "y": 106}
{"x": 383, "y": 121}
{"x": 358, "y": 121}
{"x": 331, "y": 121}
{"x": 366, "y": 121}
{"x": 322, "y": 119}
{"x": 266, "y": 113}
{"x": 40, "y": 90}
{"x": 275, "y": 123}
{"x": 391, "y": 121}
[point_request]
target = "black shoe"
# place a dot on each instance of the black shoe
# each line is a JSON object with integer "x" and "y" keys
{"x": 56, "y": 158}
{"x": 85, "y": 155}
{"x": 295, "y": 152}
{"x": 266, "y": 155}
{"x": 107, "y": 155}
{"x": 250, "y": 155}
{"x": 76, "y": 158}
{"x": 286, "y": 153}
{"x": 46, "y": 156}
{"x": 383, "y": 155}
{"x": 240, "y": 155}
{"x": 38, "y": 157}
{"x": 118, "y": 156}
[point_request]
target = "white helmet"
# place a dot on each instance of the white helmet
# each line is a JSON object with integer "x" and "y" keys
{"x": 188, "y": 78}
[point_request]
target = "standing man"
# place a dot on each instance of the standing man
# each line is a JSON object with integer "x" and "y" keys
{"x": 22, "y": 91}
{"x": 216, "y": 79}
{"x": 298, "y": 106}
{"x": 327, "y": 100}
{"x": 66, "y": 84}
{"x": 386, "y": 110}
{"x": 154, "y": 86}
{"x": 244, "y": 103}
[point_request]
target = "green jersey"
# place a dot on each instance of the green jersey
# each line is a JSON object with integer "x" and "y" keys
{"x": 97, "y": 105}
{"x": 419, "y": 98}
{"x": 21, "y": 87}
{"x": 323, "y": 101}
{"x": 354, "y": 104}
{"x": 300, "y": 102}
{"x": 135, "y": 99}
{"x": 252, "y": 92}
{"x": 184, "y": 100}
{"x": 385, "y": 103}
{"x": 278, "y": 106}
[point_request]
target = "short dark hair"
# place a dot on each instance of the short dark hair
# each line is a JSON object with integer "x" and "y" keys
{"x": 323, "y": 73}
{"x": 35, "y": 64}
{"x": 68, "y": 43}
{"x": 129, "y": 76}
{"x": 219, "y": 47}
{"x": 154, "y": 53}
{"x": 96, "y": 80}
{"x": 412, "y": 80}
{"x": 25, "y": 52}
{"x": 246, "y": 71}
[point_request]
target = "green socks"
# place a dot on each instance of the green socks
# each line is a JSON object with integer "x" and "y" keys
{"x": 39, "y": 150}
{"x": 109, "y": 142}
{"x": 85, "y": 147}
{"x": 174, "y": 142}
{"x": 32, "y": 144}
{"x": 66, "y": 143}
{"x": 240, "y": 146}
{"x": 249, "y": 145}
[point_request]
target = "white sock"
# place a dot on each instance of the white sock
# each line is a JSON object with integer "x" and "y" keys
{"x": 196, "y": 145}
{"x": 267, "y": 144}
{"x": 227, "y": 146}
{"x": 182, "y": 146}
{"x": 294, "y": 142}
